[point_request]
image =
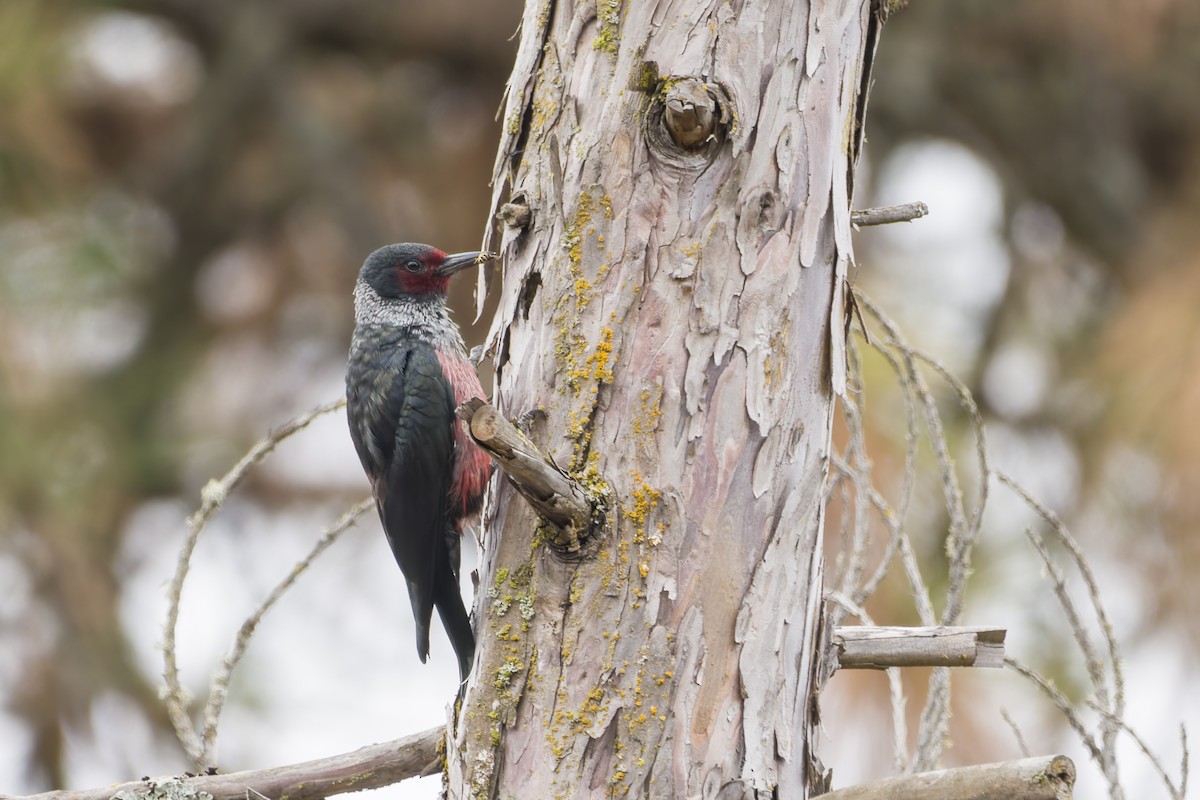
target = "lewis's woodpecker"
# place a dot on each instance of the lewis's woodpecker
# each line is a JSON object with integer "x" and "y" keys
{"x": 408, "y": 371}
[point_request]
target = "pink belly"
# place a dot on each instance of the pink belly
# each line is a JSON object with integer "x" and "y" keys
{"x": 472, "y": 467}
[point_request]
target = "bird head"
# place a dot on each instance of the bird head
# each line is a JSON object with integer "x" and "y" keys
{"x": 405, "y": 269}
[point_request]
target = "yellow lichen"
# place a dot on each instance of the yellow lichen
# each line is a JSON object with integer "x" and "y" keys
{"x": 777, "y": 343}
{"x": 583, "y": 287}
{"x": 645, "y": 498}
{"x": 585, "y": 364}
{"x": 646, "y": 421}
{"x": 599, "y": 360}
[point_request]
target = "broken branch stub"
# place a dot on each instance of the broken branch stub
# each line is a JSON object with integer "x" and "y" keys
{"x": 515, "y": 214}
{"x": 887, "y": 215}
{"x": 554, "y": 495}
{"x": 690, "y": 113}
{"x": 688, "y": 121}
{"x": 864, "y": 647}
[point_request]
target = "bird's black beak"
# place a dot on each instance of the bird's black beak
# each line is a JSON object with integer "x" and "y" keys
{"x": 460, "y": 261}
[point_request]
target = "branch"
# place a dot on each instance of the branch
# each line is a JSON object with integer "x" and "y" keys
{"x": 886, "y": 215}
{"x": 220, "y": 682}
{"x": 556, "y": 496}
{"x": 1064, "y": 705}
{"x": 862, "y": 647}
{"x": 1113, "y": 702}
{"x": 368, "y": 767}
{"x": 1177, "y": 792}
{"x": 963, "y": 531}
{"x": 212, "y": 497}
{"x": 1043, "y": 778}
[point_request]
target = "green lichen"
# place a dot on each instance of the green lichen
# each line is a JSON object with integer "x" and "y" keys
{"x": 525, "y": 604}
{"x": 646, "y": 78}
{"x": 506, "y": 671}
{"x": 609, "y": 38}
{"x": 501, "y": 604}
{"x": 522, "y": 576}
{"x": 165, "y": 789}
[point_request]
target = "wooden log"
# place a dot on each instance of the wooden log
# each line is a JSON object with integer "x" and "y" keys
{"x": 863, "y": 647}
{"x": 1041, "y": 778}
{"x": 555, "y": 496}
{"x": 368, "y": 767}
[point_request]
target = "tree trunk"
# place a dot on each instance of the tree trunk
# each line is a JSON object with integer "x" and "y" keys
{"x": 678, "y": 176}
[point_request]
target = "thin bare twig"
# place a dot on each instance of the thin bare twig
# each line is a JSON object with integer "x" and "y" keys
{"x": 1058, "y": 580}
{"x": 1060, "y": 701}
{"x": 1012, "y": 724}
{"x": 1114, "y": 702}
{"x": 892, "y": 518}
{"x": 213, "y": 496}
{"x": 852, "y": 470}
{"x": 1176, "y": 792}
{"x": 899, "y": 541}
{"x": 960, "y": 558}
{"x": 963, "y": 532}
{"x": 1089, "y": 579}
{"x": 856, "y": 525}
{"x": 219, "y": 688}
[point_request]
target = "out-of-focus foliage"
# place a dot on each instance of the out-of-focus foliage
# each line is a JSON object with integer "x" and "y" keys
{"x": 187, "y": 188}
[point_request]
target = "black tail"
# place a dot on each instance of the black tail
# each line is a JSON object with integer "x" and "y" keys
{"x": 449, "y": 603}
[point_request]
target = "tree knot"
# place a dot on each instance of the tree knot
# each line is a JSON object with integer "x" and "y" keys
{"x": 689, "y": 120}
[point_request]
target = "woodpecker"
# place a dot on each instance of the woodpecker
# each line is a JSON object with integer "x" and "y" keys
{"x": 408, "y": 370}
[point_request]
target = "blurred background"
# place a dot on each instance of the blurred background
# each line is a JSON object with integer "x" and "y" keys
{"x": 187, "y": 190}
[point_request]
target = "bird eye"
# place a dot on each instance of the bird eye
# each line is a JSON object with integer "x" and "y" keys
{"x": 413, "y": 266}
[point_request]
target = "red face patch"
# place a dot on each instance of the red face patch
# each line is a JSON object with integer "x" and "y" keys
{"x": 418, "y": 274}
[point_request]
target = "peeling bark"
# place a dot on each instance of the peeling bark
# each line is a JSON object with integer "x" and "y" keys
{"x": 667, "y": 302}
